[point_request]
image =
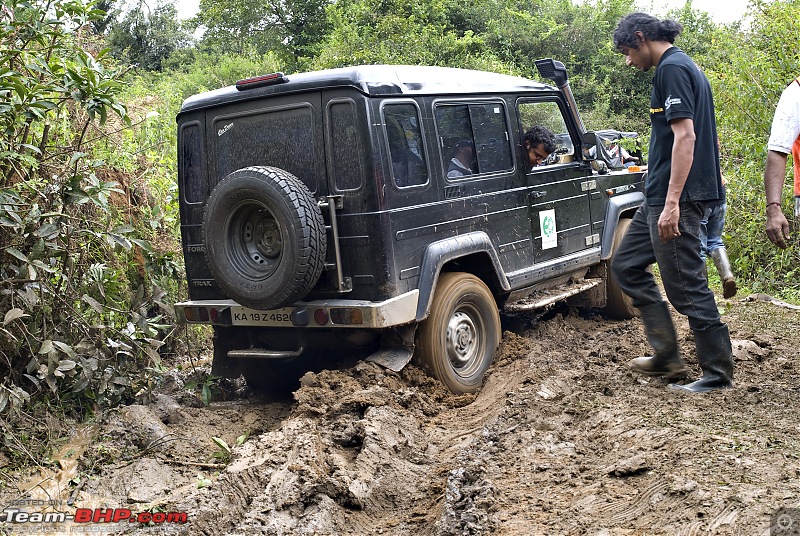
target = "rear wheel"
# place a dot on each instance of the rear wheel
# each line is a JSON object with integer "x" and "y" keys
{"x": 618, "y": 304}
{"x": 265, "y": 237}
{"x": 457, "y": 342}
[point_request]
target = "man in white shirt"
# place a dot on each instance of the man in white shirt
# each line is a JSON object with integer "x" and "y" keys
{"x": 784, "y": 139}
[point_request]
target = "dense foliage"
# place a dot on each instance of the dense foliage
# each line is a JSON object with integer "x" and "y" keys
{"x": 80, "y": 307}
{"x": 748, "y": 71}
{"x": 89, "y": 255}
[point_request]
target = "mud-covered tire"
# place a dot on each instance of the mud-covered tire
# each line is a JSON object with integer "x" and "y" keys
{"x": 618, "y": 304}
{"x": 457, "y": 342}
{"x": 264, "y": 237}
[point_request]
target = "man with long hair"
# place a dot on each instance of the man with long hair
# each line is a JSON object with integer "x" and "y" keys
{"x": 683, "y": 180}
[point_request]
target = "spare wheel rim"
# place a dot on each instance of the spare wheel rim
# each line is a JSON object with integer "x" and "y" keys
{"x": 255, "y": 240}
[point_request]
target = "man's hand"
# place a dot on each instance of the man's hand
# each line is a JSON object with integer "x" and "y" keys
{"x": 668, "y": 223}
{"x": 774, "y": 176}
{"x": 777, "y": 226}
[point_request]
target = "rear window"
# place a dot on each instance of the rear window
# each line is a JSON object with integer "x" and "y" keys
{"x": 343, "y": 145}
{"x": 194, "y": 187}
{"x": 281, "y": 138}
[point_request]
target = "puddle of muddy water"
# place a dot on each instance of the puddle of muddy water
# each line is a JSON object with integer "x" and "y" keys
{"x": 52, "y": 484}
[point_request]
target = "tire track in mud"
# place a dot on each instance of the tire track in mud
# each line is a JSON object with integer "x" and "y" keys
{"x": 364, "y": 450}
{"x": 362, "y": 444}
{"x": 561, "y": 440}
{"x": 621, "y": 512}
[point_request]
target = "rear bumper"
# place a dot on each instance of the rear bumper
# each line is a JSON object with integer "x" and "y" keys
{"x": 314, "y": 314}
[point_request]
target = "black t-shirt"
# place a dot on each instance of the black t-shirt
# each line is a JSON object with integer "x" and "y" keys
{"x": 681, "y": 90}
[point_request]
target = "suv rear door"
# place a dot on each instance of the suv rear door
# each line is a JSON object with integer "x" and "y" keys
{"x": 286, "y": 132}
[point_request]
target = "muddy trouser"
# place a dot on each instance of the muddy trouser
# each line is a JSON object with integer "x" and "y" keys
{"x": 679, "y": 263}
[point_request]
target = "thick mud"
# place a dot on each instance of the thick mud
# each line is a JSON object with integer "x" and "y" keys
{"x": 562, "y": 440}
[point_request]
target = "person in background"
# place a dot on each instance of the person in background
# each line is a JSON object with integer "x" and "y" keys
{"x": 683, "y": 180}
{"x": 625, "y": 158}
{"x": 461, "y": 163}
{"x": 784, "y": 139}
{"x": 539, "y": 143}
{"x": 711, "y": 239}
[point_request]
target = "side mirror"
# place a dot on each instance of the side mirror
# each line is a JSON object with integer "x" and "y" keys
{"x": 592, "y": 151}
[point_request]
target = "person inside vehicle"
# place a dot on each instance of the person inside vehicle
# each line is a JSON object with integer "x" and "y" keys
{"x": 539, "y": 142}
{"x": 461, "y": 163}
{"x": 625, "y": 158}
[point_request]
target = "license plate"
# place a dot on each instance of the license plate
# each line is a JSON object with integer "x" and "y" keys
{"x": 242, "y": 316}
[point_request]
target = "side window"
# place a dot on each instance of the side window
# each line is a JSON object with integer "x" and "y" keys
{"x": 405, "y": 144}
{"x": 474, "y": 138}
{"x": 344, "y": 146}
{"x": 195, "y": 188}
{"x": 549, "y": 116}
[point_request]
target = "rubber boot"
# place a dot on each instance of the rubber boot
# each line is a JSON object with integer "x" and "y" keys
{"x": 716, "y": 359}
{"x": 666, "y": 360}
{"x": 720, "y": 256}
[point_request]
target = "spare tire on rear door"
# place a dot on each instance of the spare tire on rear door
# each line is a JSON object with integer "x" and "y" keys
{"x": 265, "y": 237}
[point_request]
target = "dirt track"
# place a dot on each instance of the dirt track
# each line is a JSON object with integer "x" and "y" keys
{"x": 562, "y": 440}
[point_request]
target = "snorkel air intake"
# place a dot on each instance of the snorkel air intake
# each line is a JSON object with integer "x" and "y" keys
{"x": 555, "y": 71}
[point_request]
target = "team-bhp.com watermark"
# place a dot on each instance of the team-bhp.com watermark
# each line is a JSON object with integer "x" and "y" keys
{"x": 25, "y": 517}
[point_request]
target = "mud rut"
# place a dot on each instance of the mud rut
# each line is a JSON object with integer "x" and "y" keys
{"x": 561, "y": 440}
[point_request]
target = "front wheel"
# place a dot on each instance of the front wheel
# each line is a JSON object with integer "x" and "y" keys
{"x": 457, "y": 342}
{"x": 618, "y": 304}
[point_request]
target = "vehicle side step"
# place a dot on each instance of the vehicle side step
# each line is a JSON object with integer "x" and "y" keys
{"x": 546, "y": 297}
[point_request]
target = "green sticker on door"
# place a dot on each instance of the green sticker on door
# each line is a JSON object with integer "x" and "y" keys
{"x": 547, "y": 223}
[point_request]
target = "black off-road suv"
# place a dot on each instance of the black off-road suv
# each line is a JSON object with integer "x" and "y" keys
{"x": 322, "y": 215}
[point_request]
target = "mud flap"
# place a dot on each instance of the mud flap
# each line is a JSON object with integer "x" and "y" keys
{"x": 397, "y": 348}
{"x": 224, "y": 340}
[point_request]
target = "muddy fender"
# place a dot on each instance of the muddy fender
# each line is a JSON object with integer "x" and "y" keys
{"x": 437, "y": 254}
{"x": 617, "y": 206}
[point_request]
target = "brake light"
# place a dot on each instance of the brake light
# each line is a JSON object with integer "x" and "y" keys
{"x": 346, "y": 315}
{"x": 321, "y": 317}
{"x": 261, "y": 81}
{"x": 196, "y": 314}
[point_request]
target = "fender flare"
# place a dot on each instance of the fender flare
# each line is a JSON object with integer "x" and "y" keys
{"x": 437, "y": 254}
{"x": 616, "y": 206}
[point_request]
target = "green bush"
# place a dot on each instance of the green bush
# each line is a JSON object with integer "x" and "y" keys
{"x": 748, "y": 69}
{"x": 82, "y": 317}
